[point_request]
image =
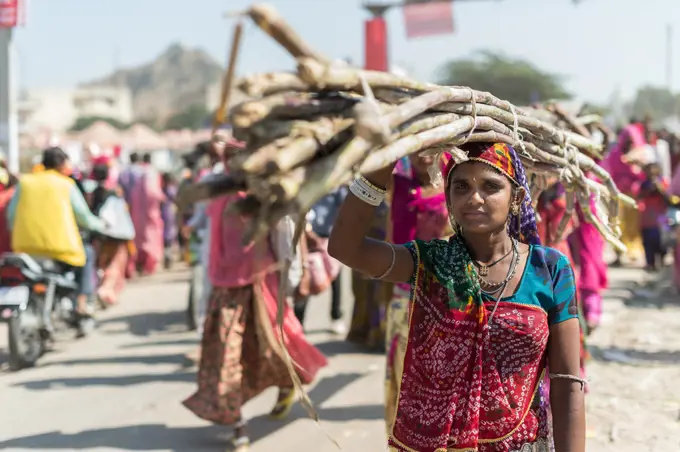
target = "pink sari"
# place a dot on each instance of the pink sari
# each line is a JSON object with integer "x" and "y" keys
{"x": 145, "y": 210}
{"x": 628, "y": 179}
{"x": 552, "y": 206}
{"x": 626, "y": 176}
{"x": 589, "y": 252}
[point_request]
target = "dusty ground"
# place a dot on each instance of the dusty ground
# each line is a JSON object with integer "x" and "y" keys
{"x": 634, "y": 403}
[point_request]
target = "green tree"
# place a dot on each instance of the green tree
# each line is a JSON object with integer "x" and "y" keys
{"x": 194, "y": 117}
{"x": 84, "y": 122}
{"x": 515, "y": 80}
{"x": 656, "y": 103}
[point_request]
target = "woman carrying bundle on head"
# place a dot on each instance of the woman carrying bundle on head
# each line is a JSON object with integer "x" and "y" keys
{"x": 624, "y": 164}
{"x": 491, "y": 311}
{"x": 241, "y": 355}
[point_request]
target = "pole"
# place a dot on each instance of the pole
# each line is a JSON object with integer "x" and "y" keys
{"x": 669, "y": 56}
{"x": 375, "y": 38}
{"x": 9, "y": 120}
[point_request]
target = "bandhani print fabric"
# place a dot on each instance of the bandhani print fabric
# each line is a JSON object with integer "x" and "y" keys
{"x": 470, "y": 384}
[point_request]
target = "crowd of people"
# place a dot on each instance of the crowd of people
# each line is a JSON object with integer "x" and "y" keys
{"x": 55, "y": 212}
{"x": 458, "y": 276}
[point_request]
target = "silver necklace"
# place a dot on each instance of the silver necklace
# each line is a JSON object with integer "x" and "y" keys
{"x": 494, "y": 287}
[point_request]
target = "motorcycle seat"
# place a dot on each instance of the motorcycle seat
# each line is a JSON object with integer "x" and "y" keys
{"x": 61, "y": 273}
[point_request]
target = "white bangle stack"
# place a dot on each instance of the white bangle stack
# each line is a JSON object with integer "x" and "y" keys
{"x": 363, "y": 189}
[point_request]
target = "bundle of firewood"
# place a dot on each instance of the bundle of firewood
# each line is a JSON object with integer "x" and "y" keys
{"x": 578, "y": 121}
{"x": 312, "y": 130}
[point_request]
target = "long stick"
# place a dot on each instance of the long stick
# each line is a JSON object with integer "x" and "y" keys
{"x": 228, "y": 80}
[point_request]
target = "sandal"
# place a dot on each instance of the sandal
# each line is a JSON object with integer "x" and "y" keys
{"x": 284, "y": 405}
{"x": 240, "y": 444}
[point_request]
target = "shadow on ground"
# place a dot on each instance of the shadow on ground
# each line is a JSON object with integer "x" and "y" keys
{"x": 148, "y": 323}
{"x": 633, "y": 357}
{"x": 120, "y": 381}
{"x": 179, "y": 359}
{"x": 133, "y": 438}
{"x": 162, "y": 437}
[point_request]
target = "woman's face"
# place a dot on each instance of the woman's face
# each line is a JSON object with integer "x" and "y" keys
{"x": 480, "y": 197}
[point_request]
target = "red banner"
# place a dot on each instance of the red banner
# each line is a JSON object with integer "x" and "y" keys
{"x": 375, "y": 57}
{"x": 10, "y": 13}
{"x": 428, "y": 18}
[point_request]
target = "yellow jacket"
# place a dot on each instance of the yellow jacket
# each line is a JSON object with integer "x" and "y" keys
{"x": 44, "y": 223}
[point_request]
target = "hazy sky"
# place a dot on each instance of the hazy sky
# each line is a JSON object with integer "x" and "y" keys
{"x": 598, "y": 45}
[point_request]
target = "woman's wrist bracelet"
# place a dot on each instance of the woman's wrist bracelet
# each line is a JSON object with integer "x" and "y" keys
{"x": 373, "y": 186}
{"x": 367, "y": 192}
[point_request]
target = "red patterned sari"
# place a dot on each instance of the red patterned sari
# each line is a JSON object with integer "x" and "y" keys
{"x": 471, "y": 383}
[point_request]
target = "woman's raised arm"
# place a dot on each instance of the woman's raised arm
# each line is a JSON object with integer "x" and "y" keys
{"x": 348, "y": 242}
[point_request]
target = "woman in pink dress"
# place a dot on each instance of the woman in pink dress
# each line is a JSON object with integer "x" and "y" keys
{"x": 145, "y": 210}
{"x": 623, "y": 165}
{"x": 240, "y": 352}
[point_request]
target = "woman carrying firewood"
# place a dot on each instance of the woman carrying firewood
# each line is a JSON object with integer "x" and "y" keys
{"x": 492, "y": 311}
{"x": 240, "y": 352}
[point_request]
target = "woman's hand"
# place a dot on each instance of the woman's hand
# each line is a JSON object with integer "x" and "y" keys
{"x": 303, "y": 289}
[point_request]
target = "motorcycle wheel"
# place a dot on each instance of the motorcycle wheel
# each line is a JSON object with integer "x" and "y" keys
{"x": 25, "y": 341}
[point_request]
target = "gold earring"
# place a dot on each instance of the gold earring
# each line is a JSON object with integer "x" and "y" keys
{"x": 515, "y": 208}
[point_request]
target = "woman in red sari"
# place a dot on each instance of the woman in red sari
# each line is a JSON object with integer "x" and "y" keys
{"x": 491, "y": 309}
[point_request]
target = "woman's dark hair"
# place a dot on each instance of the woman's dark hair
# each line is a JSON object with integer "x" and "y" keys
{"x": 134, "y": 157}
{"x": 190, "y": 160}
{"x": 54, "y": 158}
{"x": 146, "y": 158}
{"x": 100, "y": 173}
{"x": 203, "y": 148}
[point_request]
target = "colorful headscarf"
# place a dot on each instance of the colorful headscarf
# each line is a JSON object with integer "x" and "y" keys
{"x": 504, "y": 159}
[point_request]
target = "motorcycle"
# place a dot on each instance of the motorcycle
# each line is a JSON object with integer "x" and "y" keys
{"x": 37, "y": 298}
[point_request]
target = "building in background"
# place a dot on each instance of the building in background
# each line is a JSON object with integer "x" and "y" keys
{"x": 58, "y": 109}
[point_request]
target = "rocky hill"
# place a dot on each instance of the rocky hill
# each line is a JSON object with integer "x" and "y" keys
{"x": 176, "y": 79}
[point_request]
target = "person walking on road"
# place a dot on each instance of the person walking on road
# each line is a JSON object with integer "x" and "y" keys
{"x": 240, "y": 353}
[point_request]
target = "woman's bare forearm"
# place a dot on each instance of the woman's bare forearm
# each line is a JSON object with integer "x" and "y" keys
{"x": 569, "y": 417}
{"x": 566, "y": 394}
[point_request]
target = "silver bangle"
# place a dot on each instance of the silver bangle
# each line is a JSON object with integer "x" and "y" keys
{"x": 366, "y": 193}
{"x": 569, "y": 377}
{"x": 391, "y": 267}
